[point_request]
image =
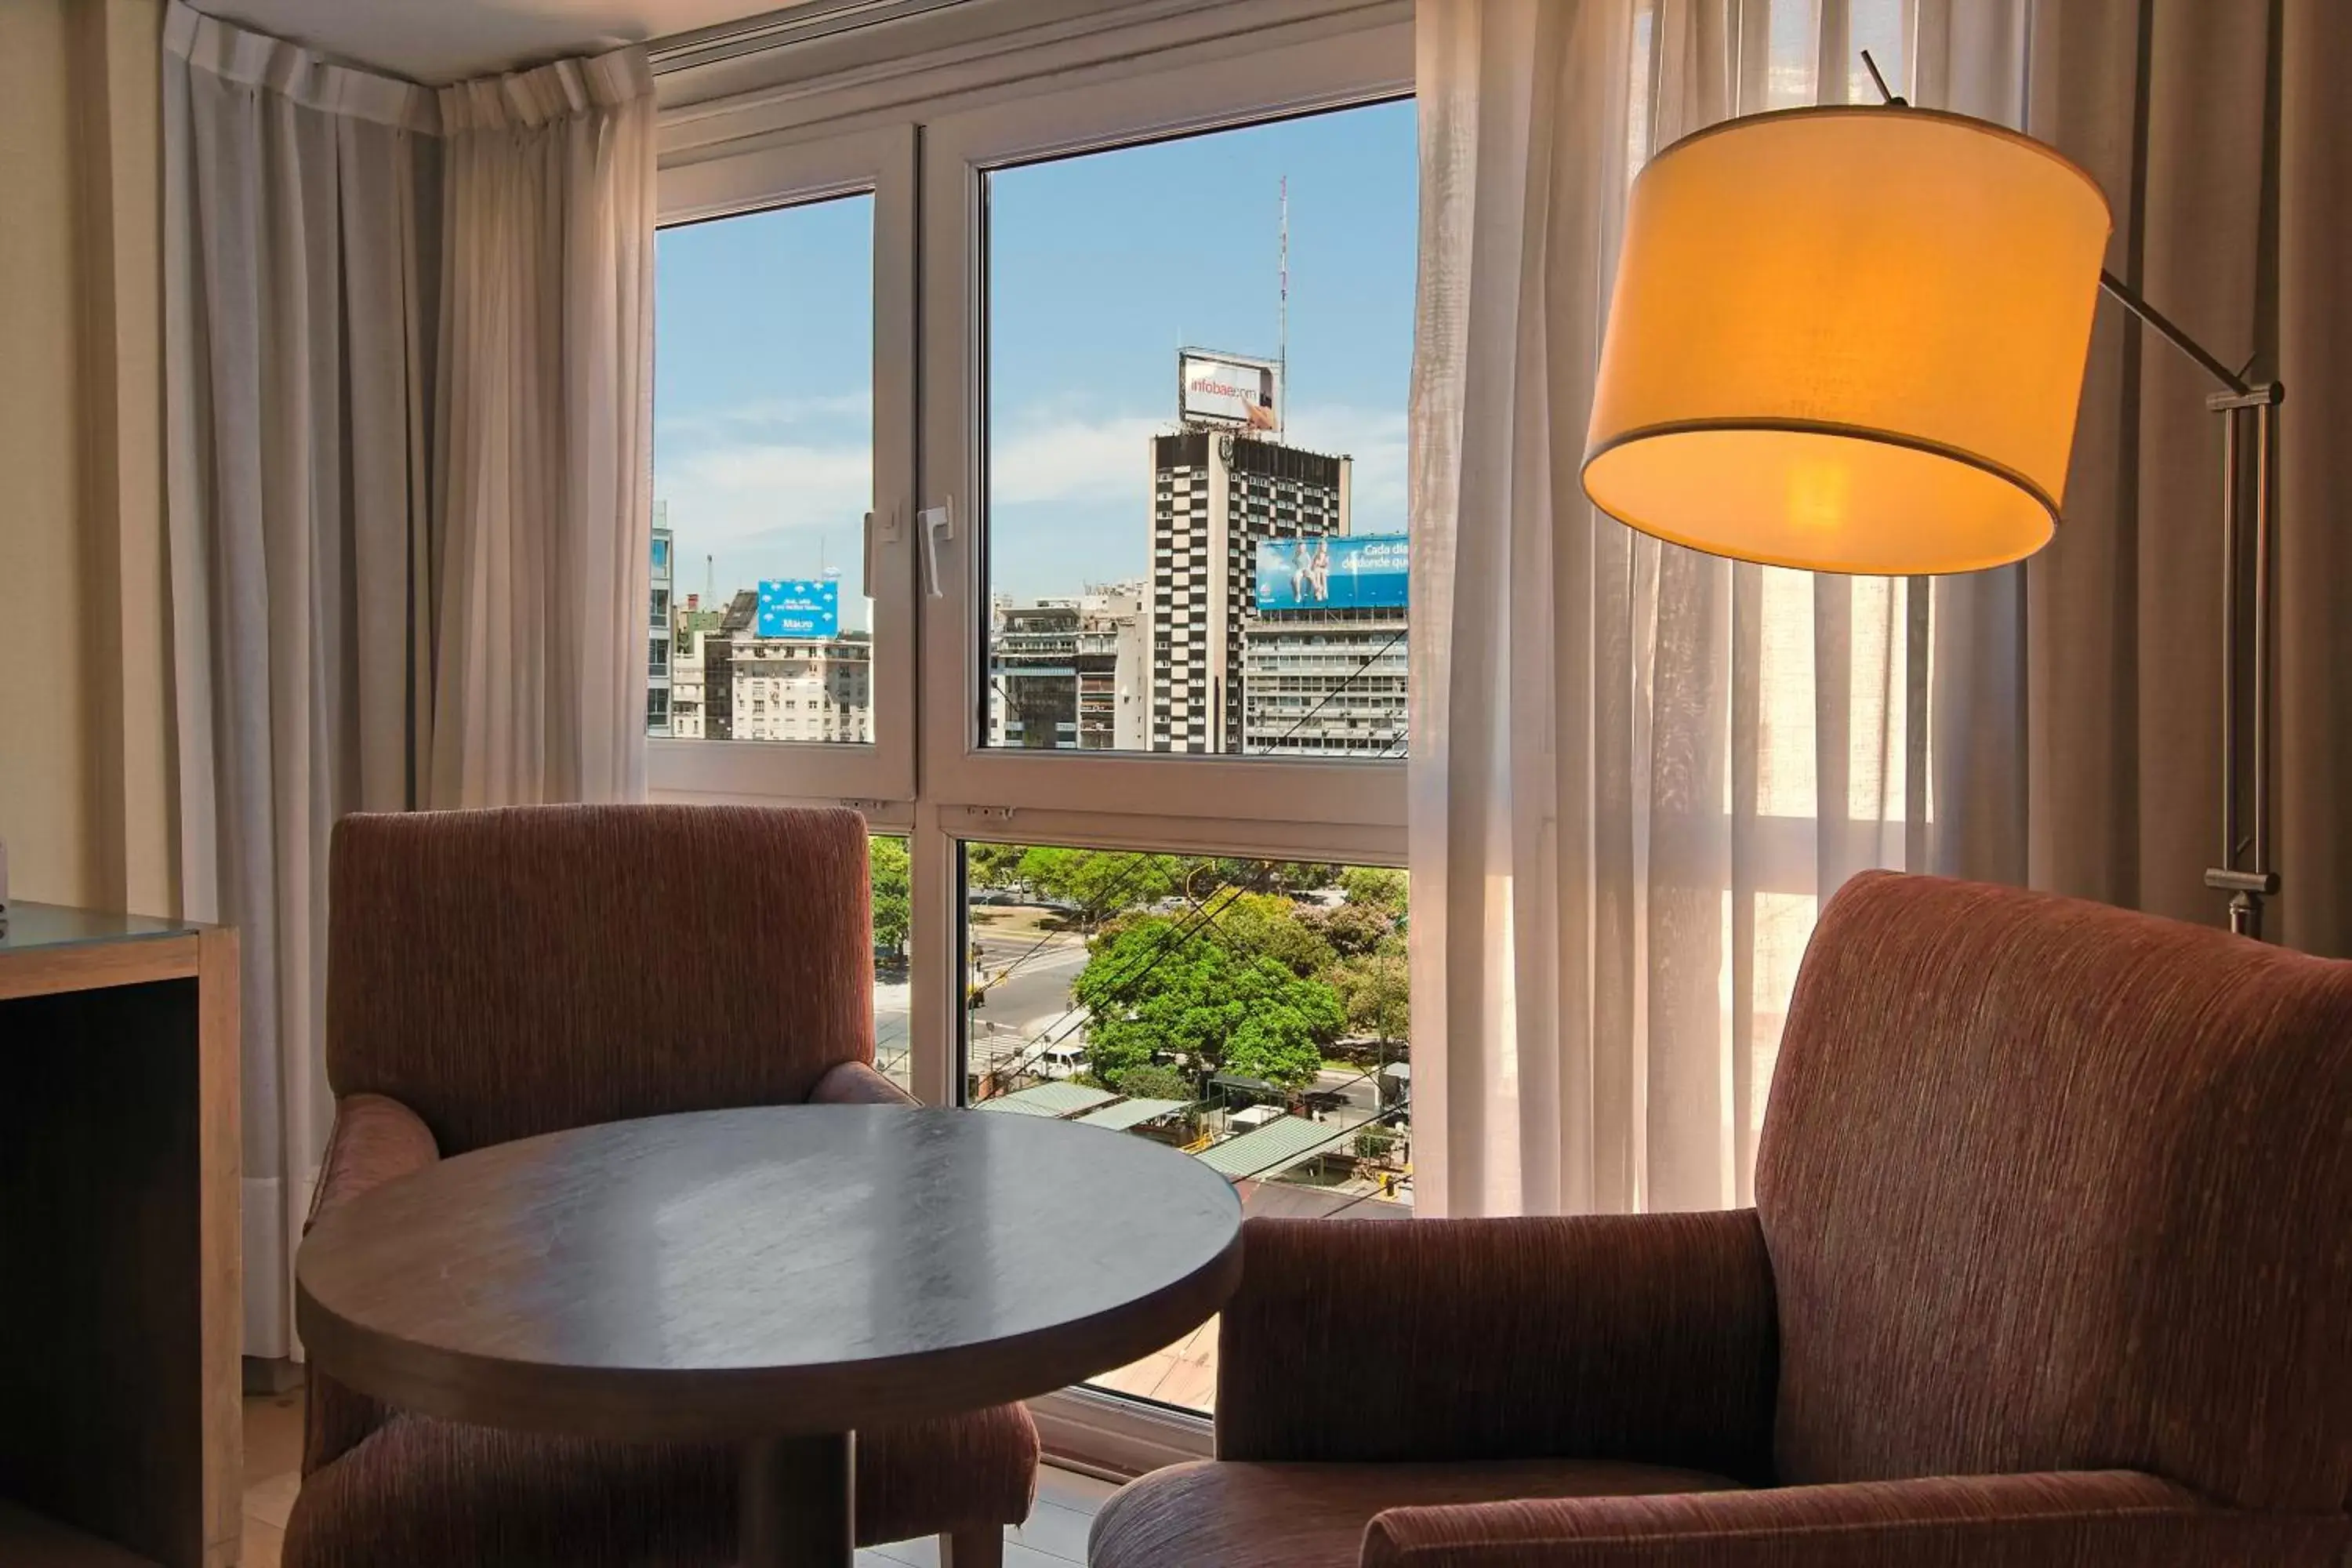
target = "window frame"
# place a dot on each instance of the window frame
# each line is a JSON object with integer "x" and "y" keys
{"x": 929, "y": 778}
{"x": 1369, "y": 66}
{"x": 722, "y": 184}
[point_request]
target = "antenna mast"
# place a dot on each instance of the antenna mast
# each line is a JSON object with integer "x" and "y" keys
{"x": 1282, "y": 306}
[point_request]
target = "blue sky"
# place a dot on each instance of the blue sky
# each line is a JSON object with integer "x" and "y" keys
{"x": 1099, "y": 268}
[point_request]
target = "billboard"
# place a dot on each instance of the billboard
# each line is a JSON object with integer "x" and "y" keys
{"x": 1334, "y": 571}
{"x": 1228, "y": 389}
{"x": 800, "y": 607}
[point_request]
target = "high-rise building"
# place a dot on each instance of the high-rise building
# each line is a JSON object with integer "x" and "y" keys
{"x": 1059, "y": 669}
{"x": 686, "y": 715}
{"x": 1215, "y": 496}
{"x": 1323, "y": 657}
{"x": 800, "y": 688}
{"x": 657, "y": 636}
{"x": 718, "y": 664}
{"x": 1114, "y": 669}
{"x": 1032, "y": 676}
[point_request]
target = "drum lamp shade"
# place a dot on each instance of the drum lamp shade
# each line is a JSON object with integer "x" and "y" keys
{"x": 1849, "y": 340}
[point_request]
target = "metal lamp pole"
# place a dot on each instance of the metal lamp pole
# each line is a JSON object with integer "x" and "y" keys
{"x": 2248, "y": 412}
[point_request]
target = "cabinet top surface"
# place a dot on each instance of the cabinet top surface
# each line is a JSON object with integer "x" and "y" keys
{"x": 36, "y": 928}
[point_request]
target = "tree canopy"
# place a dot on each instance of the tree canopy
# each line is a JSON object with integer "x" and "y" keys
{"x": 1376, "y": 992}
{"x": 1159, "y": 985}
{"x": 1374, "y": 887}
{"x": 886, "y": 863}
{"x": 1153, "y": 1081}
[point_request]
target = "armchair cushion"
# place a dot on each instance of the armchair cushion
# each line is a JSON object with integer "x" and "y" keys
{"x": 1221, "y": 1514}
{"x": 1643, "y": 1338}
{"x": 422, "y": 1492}
{"x": 525, "y": 970}
{"x": 375, "y": 1139}
{"x": 2050, "y": 1185}
{"x": 2055, "y": 1520}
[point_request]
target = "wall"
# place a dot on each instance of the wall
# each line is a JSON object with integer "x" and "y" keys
{"x": 85, "y": 728}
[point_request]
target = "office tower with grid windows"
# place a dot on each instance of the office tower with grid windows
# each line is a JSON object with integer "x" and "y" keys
{"x": 1215, "y": 496}
{"x": 1323, "y": 651}
{"x": 657, "y": 635}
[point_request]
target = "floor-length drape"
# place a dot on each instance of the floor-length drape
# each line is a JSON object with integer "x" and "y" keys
{"x": 300, "y": 233}
{"x": 2218, "y": 133}
{"x": 408, "y": 347}
{"x": 1637, "y": 770}
{"x": 544, "y": 498}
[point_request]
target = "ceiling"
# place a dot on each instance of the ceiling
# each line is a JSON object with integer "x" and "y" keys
{"x": 446, "y": 40}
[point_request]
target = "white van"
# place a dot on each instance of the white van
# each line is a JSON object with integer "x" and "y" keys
{"x": 1061, "y": 1061}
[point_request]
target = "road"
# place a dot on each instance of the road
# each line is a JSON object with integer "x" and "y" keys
{"x": 1031, "y": 1001}
{"x": 1034, "y": 999}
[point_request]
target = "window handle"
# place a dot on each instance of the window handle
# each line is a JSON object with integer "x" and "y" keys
{"x": 937, "y": 522}
{"x": 888, "y": 533}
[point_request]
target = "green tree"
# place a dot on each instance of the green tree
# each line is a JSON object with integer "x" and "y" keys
{"x": 1376, "y": 992}
{"x": 886, "y": 864}
{"x": 1270, "y": 925}
{"x": 1351, "y": 929}
{"x": 1375, "y": 888}
{"x": 1154, "y": 1081}
{"x": 993, "y": 865}
{"x": 1099, "y": 883}
{"x": 1155, "y": 987}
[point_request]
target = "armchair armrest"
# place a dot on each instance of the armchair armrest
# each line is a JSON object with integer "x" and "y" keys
{"x": 858, "y": 1083}
{"x": 2082, "y": 1518}
{"x": 375, "y": 1139}
{"x": 1642, "y": 1337}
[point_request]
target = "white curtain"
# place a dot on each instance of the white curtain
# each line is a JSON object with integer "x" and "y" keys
{"x": 1637, "y": 770}
{"x": 545, "y": 492}
{"x": 405, "y": 470}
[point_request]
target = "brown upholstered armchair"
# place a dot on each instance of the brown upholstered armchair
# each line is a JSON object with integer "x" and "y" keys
{"x": 2051, "y": 1264}
{"x": 493, "y": 975}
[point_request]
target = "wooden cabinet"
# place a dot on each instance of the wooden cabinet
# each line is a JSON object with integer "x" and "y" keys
{"x": 119, "y": 1290}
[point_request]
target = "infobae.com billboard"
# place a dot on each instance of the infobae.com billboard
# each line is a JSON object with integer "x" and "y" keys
{"x": 1358, "y": 571}
{"x": 1228, "y": 389}
{"x": 800, "y": 607}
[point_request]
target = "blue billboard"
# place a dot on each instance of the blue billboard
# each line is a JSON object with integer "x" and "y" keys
{"x": 1341, "y": 572}
{"x": 800, "y": 607}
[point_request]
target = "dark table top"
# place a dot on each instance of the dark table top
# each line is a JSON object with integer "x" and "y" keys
{"x": 765, "y": 1272}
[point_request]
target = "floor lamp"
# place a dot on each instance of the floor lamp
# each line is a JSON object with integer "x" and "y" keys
{"x": 1852, "y": 340}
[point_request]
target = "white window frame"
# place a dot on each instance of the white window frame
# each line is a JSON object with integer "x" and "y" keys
{"x": 928, "y": 777}
{"x": 1367, "y": 65}
{"x": 879, "y": 162}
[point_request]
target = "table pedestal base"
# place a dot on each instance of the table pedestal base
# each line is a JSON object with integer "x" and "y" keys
{"x": 796, "y": 1504}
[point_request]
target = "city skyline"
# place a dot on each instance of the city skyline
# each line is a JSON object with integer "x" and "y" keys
{"x": 762, "y": 404}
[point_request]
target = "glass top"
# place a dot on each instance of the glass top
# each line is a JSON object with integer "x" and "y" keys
{"x": 29, "y": 926}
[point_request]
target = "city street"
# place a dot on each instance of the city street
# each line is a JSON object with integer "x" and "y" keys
{"x": 1031, "y": 1002}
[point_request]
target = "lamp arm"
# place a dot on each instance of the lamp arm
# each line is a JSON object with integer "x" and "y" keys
{"x": 2129, "y": 297}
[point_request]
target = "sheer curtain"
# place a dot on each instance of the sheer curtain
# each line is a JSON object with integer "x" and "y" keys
{"x": 545, "y": 493}
{"x": 1638, "y": 770}
{"x": 405, "y": 496}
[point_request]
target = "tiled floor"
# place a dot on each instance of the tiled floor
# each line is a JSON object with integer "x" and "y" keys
{"x": 1054, "y": 1536}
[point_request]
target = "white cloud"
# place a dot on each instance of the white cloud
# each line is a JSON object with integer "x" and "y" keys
{"x": 1375, "y": 438}
{"x": 1054, "y": 458}
{"x": 766, "y": 486}
{"x": 854, "y": 408}
{"x": 728, "y": 494}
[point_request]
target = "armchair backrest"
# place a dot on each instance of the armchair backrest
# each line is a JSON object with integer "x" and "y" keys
{"x": 521, "y": 971}
{"x": 2052, "y": 1186}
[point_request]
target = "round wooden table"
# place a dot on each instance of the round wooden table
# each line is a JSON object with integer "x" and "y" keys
{"x": 774, "y": 1278}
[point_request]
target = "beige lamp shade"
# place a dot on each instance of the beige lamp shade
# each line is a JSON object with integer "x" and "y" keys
{"x": 1850, "y": 340}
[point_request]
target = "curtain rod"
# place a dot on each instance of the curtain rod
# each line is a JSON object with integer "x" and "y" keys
{"x": 800, "y": 24}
